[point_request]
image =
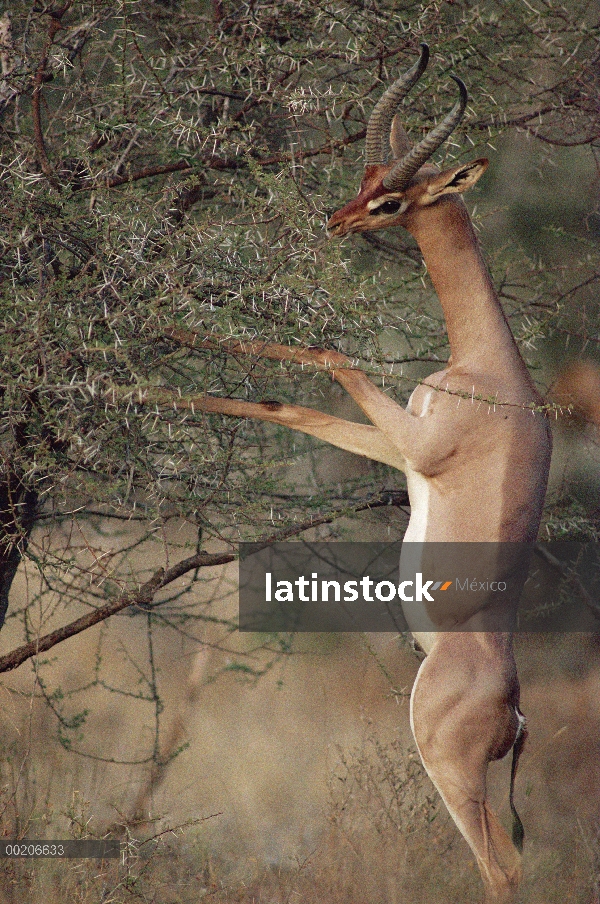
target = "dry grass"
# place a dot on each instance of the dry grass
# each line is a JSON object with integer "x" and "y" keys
{"x": 320, "y": 796}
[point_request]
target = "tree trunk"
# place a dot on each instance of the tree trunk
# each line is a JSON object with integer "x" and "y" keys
{"x": 18, "y": 508}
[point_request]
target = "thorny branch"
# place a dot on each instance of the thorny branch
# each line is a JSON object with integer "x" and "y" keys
{"x": 214, "y": 162}
{"x": 53, "y": 27}
{"x": 142, "y": 597}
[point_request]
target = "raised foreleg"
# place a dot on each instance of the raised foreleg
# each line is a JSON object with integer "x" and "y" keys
{"x": 393, "y": 421}
{"x": 361, "y": 439}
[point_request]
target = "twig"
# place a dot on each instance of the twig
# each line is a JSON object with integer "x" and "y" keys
{"x": 228, "y": 163}
{"x": 398, "y": 499}
{"x": 54, "y": 27}
{"x": 141, "y": 597}
{"x": 570, "y": 576}
{"x": 322, "y": 359}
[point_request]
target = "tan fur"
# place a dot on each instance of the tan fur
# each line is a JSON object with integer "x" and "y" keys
{"x": 481, "y": 453}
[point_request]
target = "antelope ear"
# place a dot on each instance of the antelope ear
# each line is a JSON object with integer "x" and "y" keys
{"x": 399, "y": 141}
{"x": 458, "y": 179}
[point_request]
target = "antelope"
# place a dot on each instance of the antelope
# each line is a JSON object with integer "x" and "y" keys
{"x": 476, "y": 470}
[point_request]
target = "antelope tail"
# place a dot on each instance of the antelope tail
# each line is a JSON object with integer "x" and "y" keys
{"x": 518, "y": 832}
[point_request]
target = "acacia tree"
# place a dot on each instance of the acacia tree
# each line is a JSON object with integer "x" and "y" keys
{"x": 166, "y": 171}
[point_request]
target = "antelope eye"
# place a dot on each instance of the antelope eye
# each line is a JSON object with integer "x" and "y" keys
{"x": 387, "y": 207}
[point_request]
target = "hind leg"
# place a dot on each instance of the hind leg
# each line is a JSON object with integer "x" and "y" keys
{"x": 464, "y": 715}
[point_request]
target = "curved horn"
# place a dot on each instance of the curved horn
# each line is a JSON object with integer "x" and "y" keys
{"x": 378, "y": 129}
{"x": 399, "y": 177}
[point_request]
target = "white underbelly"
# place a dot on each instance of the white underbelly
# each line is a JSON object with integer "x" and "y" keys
{"x": 415, "y": 613}
{"x": 418, "y": 492}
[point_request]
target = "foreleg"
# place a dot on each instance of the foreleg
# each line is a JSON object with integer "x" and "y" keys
{"x": 392, "y": 420}
{"x": 360, "y": 439}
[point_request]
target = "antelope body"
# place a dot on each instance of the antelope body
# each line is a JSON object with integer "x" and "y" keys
{"x": 476, "y": 456}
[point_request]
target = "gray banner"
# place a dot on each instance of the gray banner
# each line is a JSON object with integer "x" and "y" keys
{"x": 28, "y": 849}
{"x": 295, "y": 587}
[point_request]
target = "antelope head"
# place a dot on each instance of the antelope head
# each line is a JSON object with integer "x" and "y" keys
{"x": 391, "y": 191}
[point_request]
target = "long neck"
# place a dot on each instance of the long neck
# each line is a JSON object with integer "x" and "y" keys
{"x": 478, "y": 331}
